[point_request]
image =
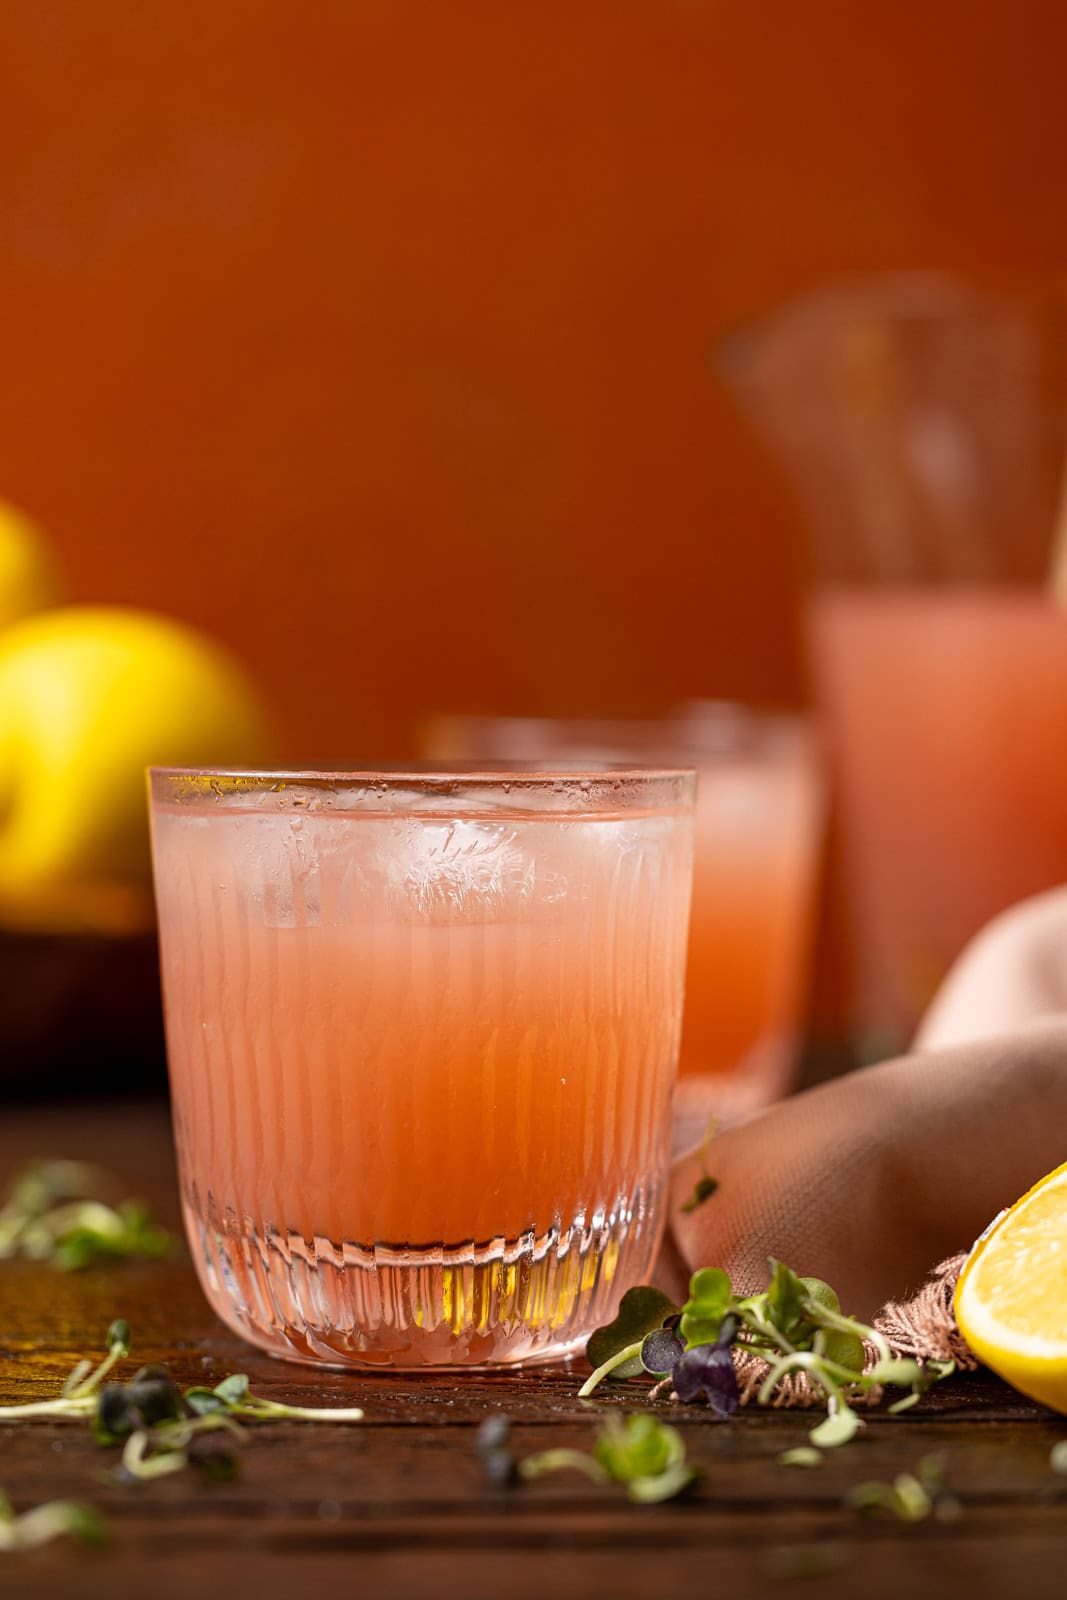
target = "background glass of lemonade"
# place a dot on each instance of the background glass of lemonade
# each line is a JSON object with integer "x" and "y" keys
{"x": 758, "y": 831}
{"x": 422, "y": 1033}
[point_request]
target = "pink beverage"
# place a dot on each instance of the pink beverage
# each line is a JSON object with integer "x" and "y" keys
{"x": 945, "y": 710}
{"x": 757, "y": 836}
{"x": 422, "y": 1034}
{"x": 758, "y": 827}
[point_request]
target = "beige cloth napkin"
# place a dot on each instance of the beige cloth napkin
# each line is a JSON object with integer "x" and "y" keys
{"x": 873, "y": 1179}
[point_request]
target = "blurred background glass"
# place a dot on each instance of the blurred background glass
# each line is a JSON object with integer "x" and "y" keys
{"x": 757, "y": 832}
{"x": 420, "y": 358}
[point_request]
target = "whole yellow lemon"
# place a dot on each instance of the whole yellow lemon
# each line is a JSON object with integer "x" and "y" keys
{"x": 90, "y": 696}
{"x": 27, "y": 574}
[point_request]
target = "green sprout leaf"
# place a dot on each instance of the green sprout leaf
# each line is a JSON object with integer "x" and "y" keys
{"x": 54, "y": 1212}
{"x": 703, "y": 1190}
{"x": 234, "y": 1389}
{"x": 639, "y": 1451}
{"x": 837, "y": 1429}
{"x": 668, "y": 1484}
{"x": 709, "y": 1300}
{"x": 53, "y": 1520}
{"x": 561, "y": 1461}
{"x": 844, "y": 1350}
{"x": 802, "y": 1456}
{"x": 911, "y": 1496}
{"x": 705, "y": 1185}
{"x": 709, "y": 1286}
{"x": 203, "y": 1401}
{"x": 255, "y": 1408}
{"x": 787, "y": 1298}
{"x": 639, "y": 1446}
{"x": 902, "y": 1373}
{"x": 118, "y": 1337}
{"x": 640, "y": 1311}
{"x": 820, "y": 1293}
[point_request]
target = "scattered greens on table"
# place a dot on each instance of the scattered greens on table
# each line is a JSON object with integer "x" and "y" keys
{"x": 795, "y": 1325}
{"x": 50, "y": 1521}
{"x": 161, "y": 1428}
{"x": 911, "y": 1497}
{"x": 639, "y": 1451}
{"x": 53, "y": 1213}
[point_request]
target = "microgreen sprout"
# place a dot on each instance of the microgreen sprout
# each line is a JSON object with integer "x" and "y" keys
{"x": 702, "y": 1190}
{"x": 53, "y": 1212}
{"x": 161, "y": 1428}
{"x": 233, "y": 1396}
{"x": 639, "y": 1451}
{"x": 911, "y": 1497}
{"x": 794, "y": 1327}
{"x": 705, "y": 1185}
{"x": 78, "y": 1396}
{"x": 494, "y": 1450}
{"x": 805, "y": 1455}
{"x": 616, "y": 1349}
{"x": 54, "y": 1519}
{"x": 210, "y": 1442}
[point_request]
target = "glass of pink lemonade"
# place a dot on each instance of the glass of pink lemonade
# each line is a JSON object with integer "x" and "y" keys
{"x": 422, "y": 1031}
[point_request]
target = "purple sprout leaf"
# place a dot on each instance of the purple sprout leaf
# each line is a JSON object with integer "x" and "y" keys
{"x": 661, "y": 1351}
{"x": 707, "y": 1372}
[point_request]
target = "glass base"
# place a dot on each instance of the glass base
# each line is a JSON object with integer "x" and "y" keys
{"x": 508, "y": 1302}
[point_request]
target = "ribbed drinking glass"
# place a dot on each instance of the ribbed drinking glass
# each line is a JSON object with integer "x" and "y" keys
{"x": 423, "y": 1033}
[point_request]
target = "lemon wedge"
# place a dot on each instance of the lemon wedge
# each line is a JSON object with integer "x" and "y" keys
{"x": 1011, "y": 1299}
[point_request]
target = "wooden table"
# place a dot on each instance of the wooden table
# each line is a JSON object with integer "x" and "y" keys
{"x": 398, "y": 1505}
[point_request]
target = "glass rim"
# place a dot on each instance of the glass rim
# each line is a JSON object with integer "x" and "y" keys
{"x": 415, "y": 773}
{"x": 699, "y": 733}
{"x": 587, "y": 786}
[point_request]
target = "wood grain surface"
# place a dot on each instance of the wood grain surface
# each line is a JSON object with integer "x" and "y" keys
{"x": 399, "y": 1505}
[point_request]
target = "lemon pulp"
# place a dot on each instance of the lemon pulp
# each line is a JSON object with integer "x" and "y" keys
{"x": 1011, "y": 1300}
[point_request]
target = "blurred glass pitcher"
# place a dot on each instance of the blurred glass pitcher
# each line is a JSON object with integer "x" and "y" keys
{"x": 922, "y": 425}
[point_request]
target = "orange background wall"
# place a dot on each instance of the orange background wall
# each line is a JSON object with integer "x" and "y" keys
{"x": 373, "y": 335}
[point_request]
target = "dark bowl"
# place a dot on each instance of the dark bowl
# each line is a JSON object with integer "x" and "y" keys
{"x": 79, "y": 1012}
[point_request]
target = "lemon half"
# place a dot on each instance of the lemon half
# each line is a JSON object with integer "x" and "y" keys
{"x": 1011, "y": 1299}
